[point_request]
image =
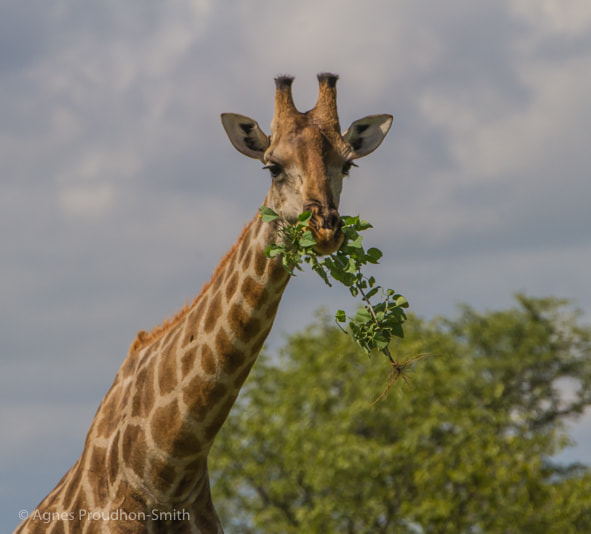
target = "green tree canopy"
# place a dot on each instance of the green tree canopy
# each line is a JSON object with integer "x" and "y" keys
{"x": 467, "y": 446}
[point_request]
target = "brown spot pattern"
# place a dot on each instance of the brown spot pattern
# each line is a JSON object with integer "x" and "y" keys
{"x": 241, "y": 324}
{"x": 193, "y": 321}
{"x": 95, "y": 528}
{"x": 109, "y": 413}
{"x": 218, "y": 281}
{"x": 246, "y": 259}
{"x": 241, "y": 377}
{"x": 207, "y": 360}
{"x": 80, "y": 503}
{"x": 260, "y": 262}
{"x": 186, "y": 443}
{"x": 70, "y": 493}
{"x": 201, "y": 395}
{"x": 171, "y": 434}
{"x": 143, "y": 400}
{"x": 229, "y": 357}
{"x": 223, "y": 409}
{"x": 128, "y": 366}
{"x": 133, "y": 446}
{"x": 113, "y": 459}
{"x": 231, "y": 262}
{"x": 170, "y": 339}
{"x": 231, "y": 286}
{"x": 186, "y": 483}
{"x": 58, "y": 528}
{"x": 137, "y": 406}
{"x": 244, "y": 248}
{"x": 163, "y": 475}
{"x": 277, "y": 274}
{"x": 167, "y": 373}
{"x": 188, "y": 361}
{"x": 213, "y": 313}
{"x": 96, "y": 472}
{"x": 253, "y": 292}
{"x": 271, "y": 310}
{"x": 257, "y": 342}
{"x": 166, "y": 422}
{"x": 237, "y": 319}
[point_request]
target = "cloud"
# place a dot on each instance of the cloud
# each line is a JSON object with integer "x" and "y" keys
{"x": 553, "y": 17}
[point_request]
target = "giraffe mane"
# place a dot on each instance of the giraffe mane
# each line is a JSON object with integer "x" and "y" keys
{"x": 144, "y": 338}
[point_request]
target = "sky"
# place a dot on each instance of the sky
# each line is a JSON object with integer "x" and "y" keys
{"x": 119, "y": 190}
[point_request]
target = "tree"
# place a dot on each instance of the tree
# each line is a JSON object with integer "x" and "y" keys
{"x": 467, "y": 446}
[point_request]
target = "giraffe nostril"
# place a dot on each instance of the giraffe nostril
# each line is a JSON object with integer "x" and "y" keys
{"x": 336, "y": 221}
{"x": 332, "y": 221}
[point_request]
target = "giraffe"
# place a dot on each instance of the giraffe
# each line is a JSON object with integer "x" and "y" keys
{"x": 143, "y": 468}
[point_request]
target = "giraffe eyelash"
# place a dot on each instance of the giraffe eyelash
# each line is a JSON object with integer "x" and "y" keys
{"x": 274, "y": 169}
{"x": 347, "y": 167}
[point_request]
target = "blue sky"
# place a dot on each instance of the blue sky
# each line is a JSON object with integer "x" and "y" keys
{"x": 119, "y": 191}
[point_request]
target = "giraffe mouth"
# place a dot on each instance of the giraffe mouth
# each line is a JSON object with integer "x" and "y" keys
{"x": 327, "y": 242}
{"x": 328, "y": 234}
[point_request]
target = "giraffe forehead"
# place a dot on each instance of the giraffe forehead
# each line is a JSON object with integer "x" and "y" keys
{"x": 305, "y": 145}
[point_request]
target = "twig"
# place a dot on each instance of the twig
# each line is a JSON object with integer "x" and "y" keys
{"x": 397, "y": 371}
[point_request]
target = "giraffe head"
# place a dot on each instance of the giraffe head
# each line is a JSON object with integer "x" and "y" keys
{"x": 307, "y": 156}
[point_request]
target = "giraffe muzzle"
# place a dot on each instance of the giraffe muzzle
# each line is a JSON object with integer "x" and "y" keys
{"x": 325, "y": 225}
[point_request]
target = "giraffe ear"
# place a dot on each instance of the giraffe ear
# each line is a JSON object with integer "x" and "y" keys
{"x": 246, "y": 135}
{"x": 365, "y": 135}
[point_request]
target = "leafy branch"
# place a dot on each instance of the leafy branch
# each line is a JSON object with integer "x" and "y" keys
{"x": 375, "y": 323}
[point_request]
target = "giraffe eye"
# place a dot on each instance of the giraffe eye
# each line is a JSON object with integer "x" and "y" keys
{"x": 274, "y": 169}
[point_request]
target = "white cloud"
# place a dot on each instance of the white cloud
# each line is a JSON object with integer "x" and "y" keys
{"x": 87, "y": 200}
{"x": 572, "y": 17}
{"x": 518, "y": 140}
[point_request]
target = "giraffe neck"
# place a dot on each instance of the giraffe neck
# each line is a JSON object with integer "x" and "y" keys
{"x": 148, "y": 444}
{"x": 180, "y": 387}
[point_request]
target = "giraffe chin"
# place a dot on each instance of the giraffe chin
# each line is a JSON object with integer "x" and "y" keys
{"x": 327, "y": 241}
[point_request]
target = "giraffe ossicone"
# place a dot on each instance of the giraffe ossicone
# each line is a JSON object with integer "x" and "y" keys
{"x": 143, "y": 468}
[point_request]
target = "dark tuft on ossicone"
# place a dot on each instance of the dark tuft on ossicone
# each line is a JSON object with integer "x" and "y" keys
{"x": 330, "y": 79}
{"x": 283, "y": 82}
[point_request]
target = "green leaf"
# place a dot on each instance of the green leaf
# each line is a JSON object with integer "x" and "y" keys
{"x": 357, "y": 243}
{"x": 363, "y": 225}
{"x": 380, "y": 342}
{"x": 340, "y": 316}
{"x": 267, "y": 214}
{"x": 350, "y": 221}
{"x": 304, "y": 217}
{"x": 319, "y": 269}
{"x": 374, "y": 255}
{"x": 351, "y": 267}
{"x": 397, "y": 330}
{"x": 273, "y": 250}
{"x": 307, "y": 239}
{"x": 402, "y": 302}
{"x": 363, "y": 316}
{"x": 372, "y": 292}
{"x": 348, "y": 279}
